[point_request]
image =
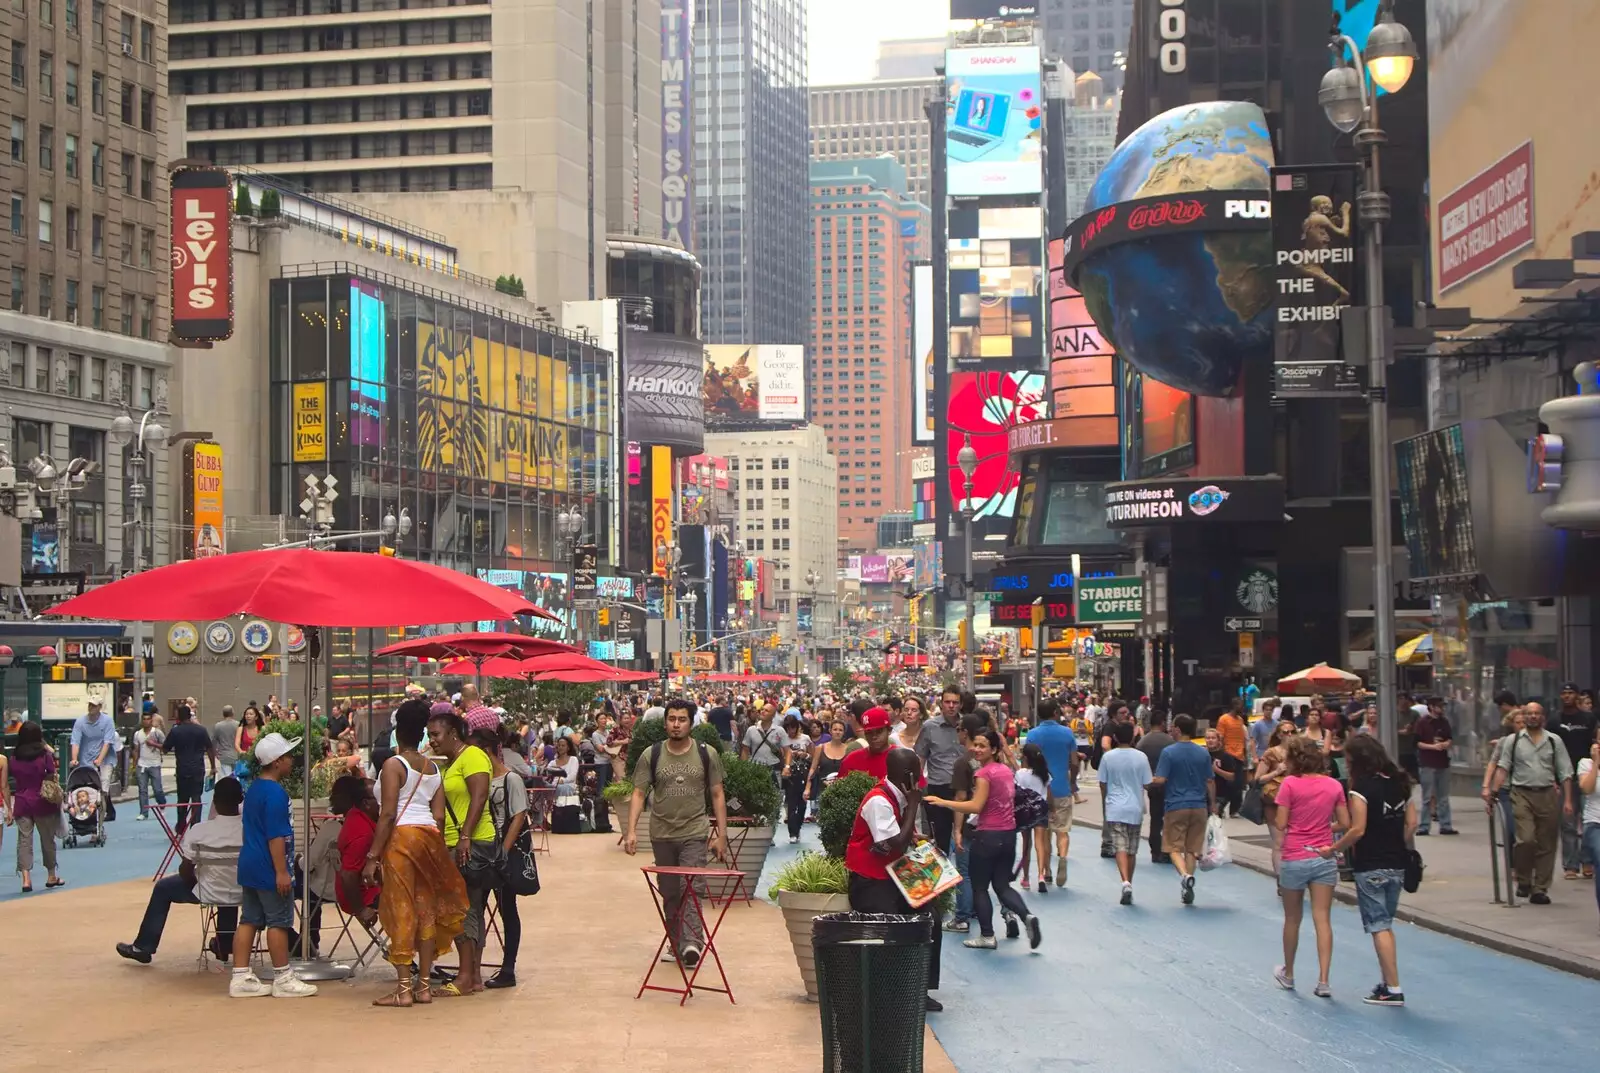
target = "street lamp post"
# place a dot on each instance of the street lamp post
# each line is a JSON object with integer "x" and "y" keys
{"x": 1351, "y": 105}
{"x": 147, "y": 432}
{"x": 967, "y": 460}
{"x": 569, "y": 531}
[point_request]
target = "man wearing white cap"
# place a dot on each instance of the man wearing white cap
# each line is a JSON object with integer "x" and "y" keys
{"x": 266, "y": 887}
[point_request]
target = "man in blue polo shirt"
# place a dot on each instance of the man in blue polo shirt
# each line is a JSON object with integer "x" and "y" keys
{"x": 1060, "y": 748}
{"x": 1185, "y": 771}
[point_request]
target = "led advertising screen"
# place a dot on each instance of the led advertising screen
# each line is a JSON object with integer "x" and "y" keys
{"x": 996, "y": 284}
{"x": 754, "y": 383}
{"x": 922, "y": 354}
{"x": 368, "y": 363}
{"x": 548, "y": 591}
{"x": 986, "y": 406}
{"x": 994, "y": 121}
{"x": 1166, "y": 421}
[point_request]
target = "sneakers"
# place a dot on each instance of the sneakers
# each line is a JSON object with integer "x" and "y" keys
{"x": 142, "y": 816}
{"x": 1448, "y": 831}
{"x": 1186, "y": 886}
{"x": 1281, "y": 977}
{"x": 960, "y": 926}
{"x": 1422, "y": 830}
{"x": 1044, "y": 887}
{"x": 1382, "y": 996}
{"x": 1538, "y": 897}
{"x": 980, "y": 942}
{"x": 1061, "y": 872}
{"x": 1322, "y": 991}
{"x": 793, "y": 839}
{"x": 288, "y": 985}
{"x": 1523, "y": 890}
{"x": 1033, "y": 933}
{"x": 1013, "y": 928}
{"x": 248, "y": 985}
{"x": 689, "y": 957}
{"x": 1127, "y": 894}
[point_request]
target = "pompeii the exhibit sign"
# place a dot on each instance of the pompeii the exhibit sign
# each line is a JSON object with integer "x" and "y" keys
{"x": 1315, "y": 277}
{"x": 1185, "y": 501}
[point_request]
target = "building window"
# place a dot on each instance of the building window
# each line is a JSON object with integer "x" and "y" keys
{"x": 127, "y": 244}
{"x": 97, "y": 93}
{"x": 147, "y": 179}
{"x": 47, "y": 148}
{"x": 127, "y": 33}
{"x": 19, "y": 64}
{"x": 127, "y": 102}
{"x": 97, "y": 382}
{"x": 19, "y": 141}
{"x": 127, "y": 313}
{"x": 47, "y": 294}
{"x": 47, "y": 12}
{"x": 97, "y": 16}
{"x": 75, "y": 375}
{"x": 72, "y": 16}
{"x": 88, "y": 522}
{"x": 47, "y": 75}
{"x": 71, "y": 149}
{"x": 47, "y": 221}
{"x": 72, "y": 84}
{"x": 147, "y": 110}
{"x": 18, "y": 211}
{"x": 97, "y": 164}
{"x": 97, "y": 236}
{"x": 72, "y": 228}
{"x": 72, "y": 311}
{"x": 33, "y": 437}
{"x": 19, "y": 365}
{"x": 127, "y": 174}
{"x": 147, "y": 317}
{"x": 147, "y": 38}
{"x": 97, "y": 307}
{"x": 19, "y": 287}
{"x": 147, "y": 245}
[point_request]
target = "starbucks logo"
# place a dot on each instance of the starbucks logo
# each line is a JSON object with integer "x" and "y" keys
{"x": 1257, "y": 591}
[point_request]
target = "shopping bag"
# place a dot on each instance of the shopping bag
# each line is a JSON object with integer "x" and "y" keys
{"x": 1253, "y": 807}
{"x": 1216, "y": 852}
{"x": 923, "y": 873}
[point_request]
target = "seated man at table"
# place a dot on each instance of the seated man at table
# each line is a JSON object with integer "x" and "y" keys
{"x": 214, "y": 882}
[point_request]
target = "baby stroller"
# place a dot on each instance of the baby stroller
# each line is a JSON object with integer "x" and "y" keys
{"x": 85, "y": 808}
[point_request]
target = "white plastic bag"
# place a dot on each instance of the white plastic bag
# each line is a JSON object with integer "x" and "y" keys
{"x": 1216, "y": 852}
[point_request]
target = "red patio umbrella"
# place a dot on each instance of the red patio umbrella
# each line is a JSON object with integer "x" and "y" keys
{"x": 1319, "y": 679}
{"x": 562, "y": 661}
{"x": 583, "y": 675}
{"x": 477, "y": 647}
{"x": 493, "y": 667}
{"x": 302, "y": 586}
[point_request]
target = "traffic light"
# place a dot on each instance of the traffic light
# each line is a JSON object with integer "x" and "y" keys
{"x": 268, "y": 664}
{"x": 118, "y": 669}
{"x": 386, "y": 552}
{"x": 748, "y": 660}
{"x": 603, "y": 616}
{"x": 961, "y": 634}
{"x": 69, "y": 672}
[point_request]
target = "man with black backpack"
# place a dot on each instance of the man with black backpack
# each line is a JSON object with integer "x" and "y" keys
{"x": 688, "y": 818}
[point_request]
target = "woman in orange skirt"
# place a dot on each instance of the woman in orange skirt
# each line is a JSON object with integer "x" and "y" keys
{"x": 424, "y": 899}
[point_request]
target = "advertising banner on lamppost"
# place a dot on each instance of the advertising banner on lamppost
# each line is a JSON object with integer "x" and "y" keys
{"x": 1315, "y": 277}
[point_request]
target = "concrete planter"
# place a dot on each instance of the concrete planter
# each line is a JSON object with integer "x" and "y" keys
{"x": 749, "y": 858}
{"x": 798, "y": 912}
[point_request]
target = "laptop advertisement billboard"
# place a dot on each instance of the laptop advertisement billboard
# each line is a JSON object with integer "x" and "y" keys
{"x": 994, "y": 121}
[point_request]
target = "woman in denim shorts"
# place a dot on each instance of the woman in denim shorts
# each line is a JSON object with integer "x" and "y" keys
{"x": 1310, "y": 804}
{"x": 1382, "y": 821}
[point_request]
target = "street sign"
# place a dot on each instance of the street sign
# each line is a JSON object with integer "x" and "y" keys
{"x": 1247, "y": 650}
{"x": 1241, "y": 625}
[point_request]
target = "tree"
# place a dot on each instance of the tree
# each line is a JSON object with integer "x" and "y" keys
{"x": 242, "y": 205}
{"x": 271, "y": 205}
{"x": 570, "y": 699}
{"x": 840, "y": 679}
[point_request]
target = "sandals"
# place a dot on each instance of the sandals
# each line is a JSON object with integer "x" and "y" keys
{"x": 450, "y": 990}
{"x": 55, "y": 883}
{"x": 402, "y": 990}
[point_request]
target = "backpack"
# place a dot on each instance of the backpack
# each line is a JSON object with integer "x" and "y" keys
{"x": 705, "y": 768}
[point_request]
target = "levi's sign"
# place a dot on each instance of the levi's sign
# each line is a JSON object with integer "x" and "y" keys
{"x": 202, "y": 255}
{"x": 1111, "y": 599}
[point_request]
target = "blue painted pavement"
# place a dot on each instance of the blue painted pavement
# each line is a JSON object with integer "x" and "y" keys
{"x": 1159, "y": 986}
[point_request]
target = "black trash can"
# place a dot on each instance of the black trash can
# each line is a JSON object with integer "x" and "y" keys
{"x": 872, "y": 988}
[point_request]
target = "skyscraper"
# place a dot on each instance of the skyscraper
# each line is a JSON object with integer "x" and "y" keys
{"x": 866, "y": 234}
{"x": 521, "y": 129}
{"x": 871, "y": 118}
{"x": 750, "y": 169}
{"x": 1089, "y": 34}
{"x": 1089, "y": 135}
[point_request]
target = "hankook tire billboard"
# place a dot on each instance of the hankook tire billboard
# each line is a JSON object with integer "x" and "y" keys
{"x": 661, "y": 391}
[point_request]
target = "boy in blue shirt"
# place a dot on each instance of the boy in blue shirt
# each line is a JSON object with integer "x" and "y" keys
{"x": 266, "y": 887}
{"x": 1191, "y": 797}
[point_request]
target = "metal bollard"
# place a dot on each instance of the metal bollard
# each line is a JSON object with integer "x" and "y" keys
{"x": 1494, "y": 851}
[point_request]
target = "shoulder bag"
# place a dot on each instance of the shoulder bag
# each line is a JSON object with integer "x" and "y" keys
{"x": 518, "y": 869}
{"x": 483, "y": 858}
{"x": 50, "y": 789}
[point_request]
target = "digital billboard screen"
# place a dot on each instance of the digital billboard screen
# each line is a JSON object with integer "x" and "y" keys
{"x": 922, "y": 354}
{"x": 547, "y": 591}
{"x": 1166, "y": 417}
{"x": 368, "y": 364}
{"x": 993, "y": 121}
{"x": 754, "y": 383}
{"x": 985, "y": 407}
{"x": 996, "y": 284}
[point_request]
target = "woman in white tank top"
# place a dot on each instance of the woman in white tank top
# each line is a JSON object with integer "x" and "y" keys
{"x": 424, "y": 898}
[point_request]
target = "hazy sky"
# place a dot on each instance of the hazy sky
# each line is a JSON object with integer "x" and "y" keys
{"x": 843, "y": 35}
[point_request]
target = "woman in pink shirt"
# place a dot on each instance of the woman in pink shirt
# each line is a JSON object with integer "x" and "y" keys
{"x": 1310, "y": 806}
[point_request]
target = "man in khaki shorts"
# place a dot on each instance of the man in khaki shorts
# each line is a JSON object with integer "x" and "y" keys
{"x": 1060, "y": 747}
{"x": 1184, "y": 771}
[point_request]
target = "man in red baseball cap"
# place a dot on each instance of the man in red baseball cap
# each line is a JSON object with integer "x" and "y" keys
{"x": 874, "y": 759}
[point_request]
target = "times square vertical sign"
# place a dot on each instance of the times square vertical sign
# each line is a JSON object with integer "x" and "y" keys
{"x": 677, "y": 122}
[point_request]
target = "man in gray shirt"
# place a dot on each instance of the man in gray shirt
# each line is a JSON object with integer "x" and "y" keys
{"x": 222, "y": 736}
{"x": 939, "y": 748}
{"x": 1155, "y": 740}
{"x": 766, "y": 744}
{"x": 1536, "y": 765}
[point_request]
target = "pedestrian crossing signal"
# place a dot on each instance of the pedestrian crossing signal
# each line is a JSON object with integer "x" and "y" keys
{"x": 603, "y": 616}
{"x": 268, "y": 664}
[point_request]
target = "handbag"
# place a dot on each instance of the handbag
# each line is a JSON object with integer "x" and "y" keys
{"x": 483, "y": 859}
{"x": 50, "y": 789}
{"x": 1253, "y": 808}
{"x": 518, "y": 870}
{"x": 1413, "y": 873}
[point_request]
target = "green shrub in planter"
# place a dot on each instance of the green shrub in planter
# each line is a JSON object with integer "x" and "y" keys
{"x": 646, "y": 732}
{"x": 836, "y": 811}
{"x": 750, "y": 790}
{"x": 811, "y": 873}
{"x": 706, "y": 734}
{"x": 321, "y": 780}
{"x": 617, "y": 792}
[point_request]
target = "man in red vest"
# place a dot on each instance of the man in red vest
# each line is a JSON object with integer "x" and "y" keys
{"x": 885, "y": 826}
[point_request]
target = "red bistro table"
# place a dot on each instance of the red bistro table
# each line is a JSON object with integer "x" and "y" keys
{"x": 691, "y": 898}
{"x": 173, "y": 839}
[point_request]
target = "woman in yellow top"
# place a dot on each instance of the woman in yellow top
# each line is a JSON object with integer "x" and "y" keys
{"x": 477, "y": 854}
